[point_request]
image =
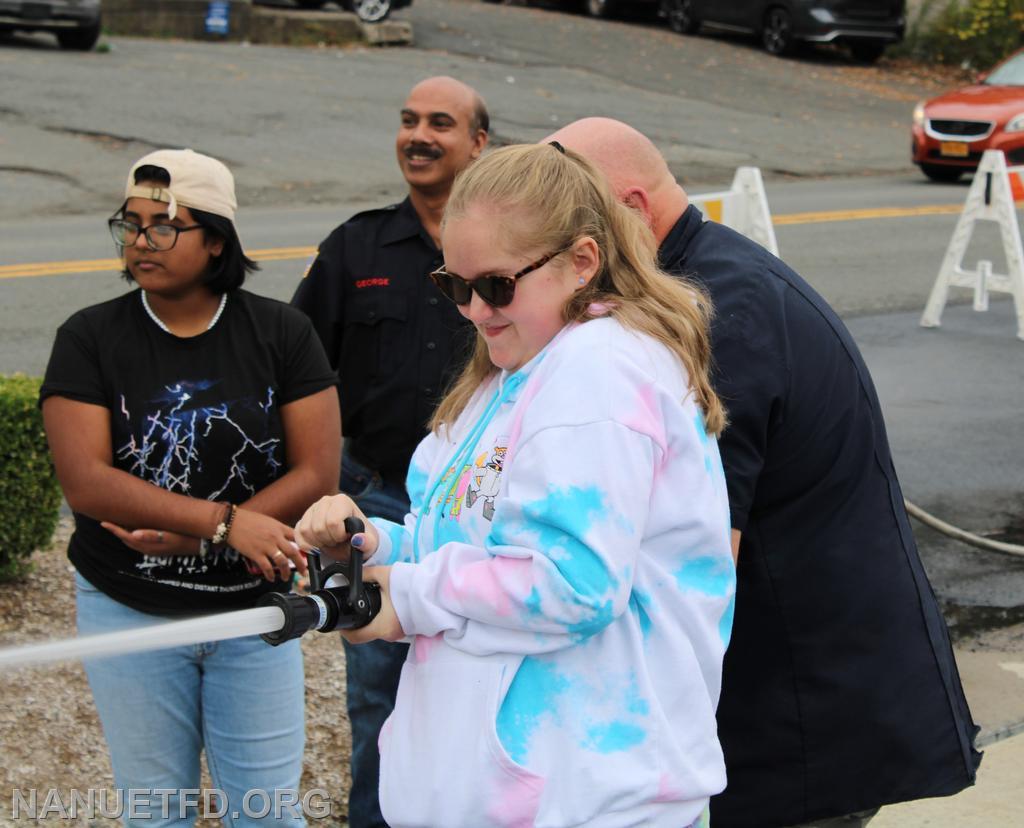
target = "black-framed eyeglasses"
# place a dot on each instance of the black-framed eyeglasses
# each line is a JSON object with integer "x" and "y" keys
{"x": 158, "y": 236}
{"x": 496, "y": 291}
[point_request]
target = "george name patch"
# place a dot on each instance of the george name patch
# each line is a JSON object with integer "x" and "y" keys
{"x": 379, "y": 281}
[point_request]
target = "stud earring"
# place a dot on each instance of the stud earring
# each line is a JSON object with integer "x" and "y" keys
{"x": 582, "y": 281}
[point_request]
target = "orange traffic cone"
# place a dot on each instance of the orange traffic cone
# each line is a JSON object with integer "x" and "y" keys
{"x": 1017, "y": 185}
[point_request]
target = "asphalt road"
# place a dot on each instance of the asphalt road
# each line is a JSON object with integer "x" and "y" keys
{"x": 308, "y": 134}
{"x": 862, "y": 266}
{"x": 303, "y": 126}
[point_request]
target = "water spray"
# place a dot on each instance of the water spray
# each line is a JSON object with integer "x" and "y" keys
{"x": 279, "y": 617}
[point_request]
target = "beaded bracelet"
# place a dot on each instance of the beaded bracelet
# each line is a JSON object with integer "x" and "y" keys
{"x": 224, "y": 527}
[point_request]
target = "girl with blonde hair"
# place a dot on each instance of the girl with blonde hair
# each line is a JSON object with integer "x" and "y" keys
{"x": 565, "y": 573}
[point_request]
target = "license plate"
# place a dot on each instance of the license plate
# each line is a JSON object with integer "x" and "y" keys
{"x": 35, "y": 11}
{"x": 953, "y": 149}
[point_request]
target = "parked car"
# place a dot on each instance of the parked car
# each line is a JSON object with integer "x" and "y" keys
{"x": 865, "y": 26}
{"x": 369, "y": 11}
{"x": 950, "y": 132}
{"x": 76, "y": 23}
{"x": 605, "y": 8}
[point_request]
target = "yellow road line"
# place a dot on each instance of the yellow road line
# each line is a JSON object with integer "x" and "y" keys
{"x": 278, "y": 254}
{"x": 19, "y": 271}
{"x": 823, "y": 216}
{"x": 27, "y": 271}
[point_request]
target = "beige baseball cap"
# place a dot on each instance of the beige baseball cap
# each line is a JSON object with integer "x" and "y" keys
{"x": 197, "y": 181}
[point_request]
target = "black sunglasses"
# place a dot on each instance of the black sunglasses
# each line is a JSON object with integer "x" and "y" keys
{"x": 496, "y": 291}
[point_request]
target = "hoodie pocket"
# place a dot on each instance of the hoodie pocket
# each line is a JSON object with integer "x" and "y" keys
{"x": 441, "y": 761}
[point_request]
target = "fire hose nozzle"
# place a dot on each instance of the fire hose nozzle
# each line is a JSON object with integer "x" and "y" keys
{"x": 301, "y": 614}
{"x": 326, "y": 609}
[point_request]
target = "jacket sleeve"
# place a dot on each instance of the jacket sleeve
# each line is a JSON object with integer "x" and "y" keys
{"x": 320, "y": 295}
{"x": 750, "y": 377}
{"x": 558, "y": 564}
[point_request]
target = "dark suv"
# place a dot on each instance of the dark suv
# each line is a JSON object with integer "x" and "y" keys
{"x": 866, "y": 26}
{"x": 76, "y": 23}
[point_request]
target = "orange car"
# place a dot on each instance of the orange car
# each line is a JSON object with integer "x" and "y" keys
{"x": 951, "y": 132}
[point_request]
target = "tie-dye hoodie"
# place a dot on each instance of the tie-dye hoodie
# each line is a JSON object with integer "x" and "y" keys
{"x": 566, "y": 579}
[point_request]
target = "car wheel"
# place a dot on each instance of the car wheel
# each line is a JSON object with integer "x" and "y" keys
{"x": 680, "y": 16}
{"x": 599, "y": 8}
{"x": 309, "y": 4}
{"x": 939, "y": 173}
{"x": 866, "y": 51}
{"x": 777, "y": 32}
{"x": 369, "y": 11}
{"x": 81, "y": 39}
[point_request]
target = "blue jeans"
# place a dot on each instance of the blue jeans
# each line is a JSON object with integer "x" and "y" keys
{"x": 240, "y": 699}
{"x": 372, "y": 670}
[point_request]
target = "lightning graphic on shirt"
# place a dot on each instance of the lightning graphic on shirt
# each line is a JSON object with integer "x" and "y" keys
{"x": 168, "y": 453}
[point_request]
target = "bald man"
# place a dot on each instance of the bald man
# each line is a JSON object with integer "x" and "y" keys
{"x": 395, "y": 342}
{"x": 839, "y": 690}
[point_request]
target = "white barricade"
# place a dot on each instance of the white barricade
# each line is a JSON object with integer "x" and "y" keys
{"x": 743, "y": 207}
{"x": 991, "y": 198}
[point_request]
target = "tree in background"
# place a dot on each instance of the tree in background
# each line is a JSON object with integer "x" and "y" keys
{"x": 975, "y": 34}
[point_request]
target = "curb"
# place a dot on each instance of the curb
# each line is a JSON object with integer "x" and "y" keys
{"x": 187, "y": 19}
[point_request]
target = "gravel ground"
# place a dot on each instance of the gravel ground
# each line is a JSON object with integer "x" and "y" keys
{"x": 50, "y": 736}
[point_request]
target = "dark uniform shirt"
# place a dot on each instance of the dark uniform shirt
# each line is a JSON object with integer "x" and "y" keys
{"x": 392, "y": 336}
{"x": 839, "y": 692}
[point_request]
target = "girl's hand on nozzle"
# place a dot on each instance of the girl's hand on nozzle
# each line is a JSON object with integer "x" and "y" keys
{"x": 323, "y": 528}
{"x": 386, "y": 625}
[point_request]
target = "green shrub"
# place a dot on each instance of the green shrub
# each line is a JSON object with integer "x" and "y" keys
{"x": 29, "y": 493}
{"x": 975, "y": 34}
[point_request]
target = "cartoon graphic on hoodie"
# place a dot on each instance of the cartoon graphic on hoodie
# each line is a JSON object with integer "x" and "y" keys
{"x": 451, "y": 496}
{"x": 487, "y": 479}
{"x": 568, "y": 635}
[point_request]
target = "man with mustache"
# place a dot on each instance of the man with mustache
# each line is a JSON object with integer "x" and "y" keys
{"x": 839, "y": 688}
{"x": 395, "y": 342}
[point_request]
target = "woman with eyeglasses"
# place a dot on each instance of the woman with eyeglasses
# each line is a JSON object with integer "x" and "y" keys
{"x": 191, "y": 422}
{"x": 565, "y": 573}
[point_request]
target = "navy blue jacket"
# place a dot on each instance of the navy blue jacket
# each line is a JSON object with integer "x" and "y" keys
{"x": 840, "y": 692}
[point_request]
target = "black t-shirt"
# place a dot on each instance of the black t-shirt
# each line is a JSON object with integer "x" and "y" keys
{"x": 394, "y": 338}
{"x": 839, "y": 692}
{"x": 197, "y": 416}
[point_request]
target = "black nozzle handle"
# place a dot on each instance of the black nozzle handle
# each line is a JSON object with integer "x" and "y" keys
{"x": 326, "y": 608}
{"x": 354, "y": 526}
{"x": 319, "y": 575}
{"x": 313, "y": 563}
